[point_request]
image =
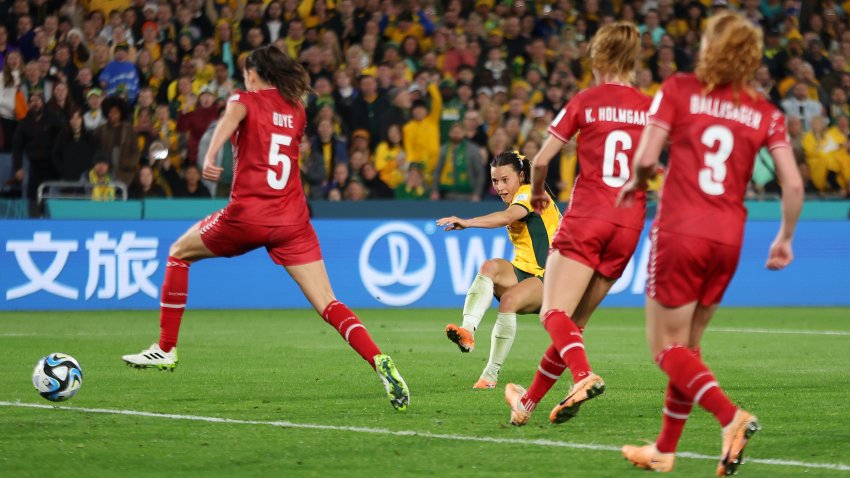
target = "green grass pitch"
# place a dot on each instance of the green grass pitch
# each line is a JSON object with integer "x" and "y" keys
{"x": 289, "y": 366}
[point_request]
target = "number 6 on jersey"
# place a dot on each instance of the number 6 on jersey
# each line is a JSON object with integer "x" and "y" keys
{"x": 275, "y": 158}
{"x": 616, "y": 145}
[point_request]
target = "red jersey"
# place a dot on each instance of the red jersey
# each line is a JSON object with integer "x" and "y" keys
{"x": 714, "y": 139}
{"x": 266, "y": 180}
{"x": 609, "y": 119}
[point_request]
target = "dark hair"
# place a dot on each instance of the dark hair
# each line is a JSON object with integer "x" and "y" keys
{"x": 280, "y": 70}
{"x": 516, "y": 161}
{"x": 68, "y": 132}
{"x": 520, "y": 164}
{"x": 267, "y": 16}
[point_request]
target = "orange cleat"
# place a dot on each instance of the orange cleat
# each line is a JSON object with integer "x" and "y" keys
{"x": 589, "y": 387}
{"x": 462, "y": 337}
{"x": 648, "y": 457}
{"x": 484, "y": 384}
{"x": 735, "y": 438}
{"x": 519, "y": 415}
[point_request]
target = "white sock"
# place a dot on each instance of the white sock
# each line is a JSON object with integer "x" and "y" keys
{"x": 478, "y": 299}
{"x": 504, "y": 331}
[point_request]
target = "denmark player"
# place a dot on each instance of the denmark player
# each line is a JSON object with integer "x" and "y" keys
{"x": 268, "y": 209}
{"x": 716, "y": 123}
{"x": 596, "y": 239}
{"x": 518, "y": 284}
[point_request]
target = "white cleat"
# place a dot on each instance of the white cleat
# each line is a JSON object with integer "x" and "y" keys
{"x": 153, "y": 357}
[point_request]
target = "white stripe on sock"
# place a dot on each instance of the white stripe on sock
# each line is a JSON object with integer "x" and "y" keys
{"x": 678, "y": 416}
{"x": 348, "y": 331}
{"x": 704, "y": 389}
{"x": 172, "y": 306}
{"x": 550, "y": 375}
{"x": 570, "y": 347}
{"x": 698, "y": 376}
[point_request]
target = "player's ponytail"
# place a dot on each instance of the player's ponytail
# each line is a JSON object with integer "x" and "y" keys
{"x": 280, "y": 70}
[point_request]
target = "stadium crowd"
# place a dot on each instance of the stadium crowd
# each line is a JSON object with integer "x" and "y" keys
{"x": 411, "y": 99}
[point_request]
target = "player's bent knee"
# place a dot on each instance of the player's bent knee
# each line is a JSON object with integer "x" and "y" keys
{"x": 490, "y": 268}
{"x": 175, "y": 250}
{"x": 180, "y": 249}
{"x": 509, "y": 302}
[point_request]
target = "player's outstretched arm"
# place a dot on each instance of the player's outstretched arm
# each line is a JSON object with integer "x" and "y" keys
{"x": 645, "y": 162}
{"x": 225, "y": 128}
{"x": 539, "y": 168}
{"x": 490, "y": 221}
{"x": 788, "y": 175}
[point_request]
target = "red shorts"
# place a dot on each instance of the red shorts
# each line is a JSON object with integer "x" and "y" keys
{"x": 683, "y": 269}
{"x": 289, "y": 245}
{"x": 601, "y": 245}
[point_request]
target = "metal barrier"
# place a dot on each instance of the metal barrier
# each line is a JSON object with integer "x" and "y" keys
{"x": 81, "y": 190}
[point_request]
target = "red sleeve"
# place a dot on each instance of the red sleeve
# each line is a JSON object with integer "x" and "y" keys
{"x": 240, "y": 97}
{"x": 776, "y": 135}
{"x": 566, "y": 124}
{"x": 662, "y": 111}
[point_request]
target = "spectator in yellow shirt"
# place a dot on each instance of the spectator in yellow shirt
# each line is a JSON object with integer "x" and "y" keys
{"x": 801, "y": 72}
{"x": 106, "y": 6}
{"x": 390, "y": 158}
{"x": 645, "y": 83}
{"x": 840, "y": 165}
{"x": 422, "y": 132}
{"x": 100, "y": 181}
{"x": 150, "y": 39}
{"x": 404, "y": 26}
{"x": 822, "y": 153}
{"x": 294, "y": 38}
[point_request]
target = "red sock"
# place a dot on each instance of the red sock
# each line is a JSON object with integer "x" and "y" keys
{"x": 172, "y": 301}
{"x": 677, "y": 408}
{"x": 352, "y": 330}
{"x": 695, "y": 381}
{"x": 548, "y": 372}
{"x": 566, "y": 337}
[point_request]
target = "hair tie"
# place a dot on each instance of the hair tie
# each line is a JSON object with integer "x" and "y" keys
{"x": 520, "y": 157}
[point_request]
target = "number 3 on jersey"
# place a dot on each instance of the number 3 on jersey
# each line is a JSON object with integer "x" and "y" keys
{"x": 711, "y": 177}
{"x": 275, "y": 158}
{"x": 616, "y": 145}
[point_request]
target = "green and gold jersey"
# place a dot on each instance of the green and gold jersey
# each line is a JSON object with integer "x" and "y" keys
{"x": 532, "y": 235}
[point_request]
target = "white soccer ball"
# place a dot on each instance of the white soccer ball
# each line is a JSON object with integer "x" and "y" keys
{"x": 57, "y": 377}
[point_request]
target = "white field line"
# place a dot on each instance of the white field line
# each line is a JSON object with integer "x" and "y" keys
{"x": 439, "y": 436}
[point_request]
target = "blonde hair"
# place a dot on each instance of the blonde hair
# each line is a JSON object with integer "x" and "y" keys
{"x": 615, "y": 49}
{"x": 732, "y": 53}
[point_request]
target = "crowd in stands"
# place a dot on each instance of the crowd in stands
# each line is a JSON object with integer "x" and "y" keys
{"x": 411, "y": 99}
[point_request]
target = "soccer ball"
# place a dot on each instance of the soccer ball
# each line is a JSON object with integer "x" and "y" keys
{"x": 57, "y": 377}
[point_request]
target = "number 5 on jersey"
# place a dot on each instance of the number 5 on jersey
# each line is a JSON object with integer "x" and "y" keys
{"x": 275, "y": 158}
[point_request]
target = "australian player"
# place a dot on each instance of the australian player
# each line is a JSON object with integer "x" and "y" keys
{"x": 715, "y": 123}
{"x": 596, "y": 239}
{"x": 517, "y": 284}
{"x": 267, "y": 208}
